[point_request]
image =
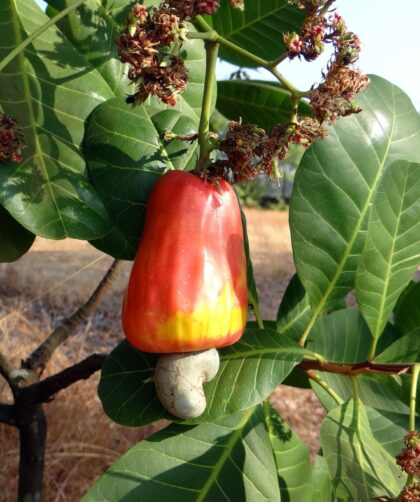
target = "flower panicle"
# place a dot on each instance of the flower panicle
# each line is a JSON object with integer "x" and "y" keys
{"x": 248, "y": 150}
{"x": 334, "y": 97}
{"x": 11, "y": 140}
{"x": 146, "y": 45}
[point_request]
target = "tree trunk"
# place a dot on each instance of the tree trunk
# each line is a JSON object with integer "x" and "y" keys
{"x": 33, "y": 432}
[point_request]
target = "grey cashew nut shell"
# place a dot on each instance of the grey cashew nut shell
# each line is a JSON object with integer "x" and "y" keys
{"x": 179, "y": 381}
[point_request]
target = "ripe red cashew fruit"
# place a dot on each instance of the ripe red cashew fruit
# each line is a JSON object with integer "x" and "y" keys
{"x": 188, "y": 290}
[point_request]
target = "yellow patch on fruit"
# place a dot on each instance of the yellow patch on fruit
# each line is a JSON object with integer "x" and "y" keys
{"x": 212, "y": 321}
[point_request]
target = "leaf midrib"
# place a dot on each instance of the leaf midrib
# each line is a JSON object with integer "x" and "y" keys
{"x": 255, "y": 21}
{"x": 360, "y": 220}
{"x": 237, "y": 434}
{"x": 380, "y": 320}
{"x": 28, "y": 99}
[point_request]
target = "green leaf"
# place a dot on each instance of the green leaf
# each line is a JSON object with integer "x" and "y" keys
{"x": 321, "y": 482}
{"x": 249, "y": 371}
{"x": 252, "y": 287}
{"x": 341, "y": 337}
{"x": 404, "y": 350}
{"x": 392, "y": 248}
{"x": 359, "y": 466}
{"x": 380, "y": 392}
{"x": 388, "y": 428}
{"x": 116, "y": 244}
{"x": 258, "y": 29}
{"x": 294, "y": 311}
{"x": 256, "y": 102}
{"x": 50, "y": 89}
{"x": 407, "y": 312}
{"x": 226, "y": 460}
{"x": 335, "y": 185}
{"x": 93, "y": 28}
{"x": 126, "y": 156}
{"x": 15, "y": 239}
{"x": 291, "y": 456}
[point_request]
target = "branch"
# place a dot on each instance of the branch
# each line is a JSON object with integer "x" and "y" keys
{"x": 44, "y": 391}
{"x": 40, "y": 357}
{"x": 357, "y": 369}
{"x": 6, "y": 367}
{"x": 7, "y": 414}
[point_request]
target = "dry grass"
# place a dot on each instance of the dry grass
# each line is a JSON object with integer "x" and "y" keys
{"x": 47, "y": 285}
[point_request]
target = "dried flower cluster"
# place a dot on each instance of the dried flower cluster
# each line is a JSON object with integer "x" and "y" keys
{"x": 334, "y": 97}
{"x": 189, "y": 9}
{"x": 193, "y": 8}
{"x": 11, "y": 140}
{"x": 409, "y": 458}
{"x": 410, "y": 494}
{"x": 146, "y": 45}
{"x": 248, "y": 150}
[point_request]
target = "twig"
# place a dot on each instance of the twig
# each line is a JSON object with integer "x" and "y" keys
{"x": 322, "y": 383}
{"x": 44, "y": 391}
{"x": 357, "y": 369}
{"x": 6, "y": 367}
{"x": 40, "y": 357}
{"x": 7, "y": 414}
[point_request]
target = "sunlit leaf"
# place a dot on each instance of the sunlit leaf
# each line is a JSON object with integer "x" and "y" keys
{"x": 360, "y": 467}
{"x": 258, "y": 29}
{"x": 227, "y": 460}
{"x": 342, "y": 337}
{"x": 392, "y": 249}
{"x": 126, "y": 155}
{"x": 291, "y": 456}
{"x": 335, "y": 185}
{"x": 249, "y": 371}
{"x": 50, "y": 89}
{"x": 256, "y": 102}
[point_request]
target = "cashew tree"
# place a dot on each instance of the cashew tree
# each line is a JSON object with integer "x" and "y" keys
{"x": 101, "y": 103}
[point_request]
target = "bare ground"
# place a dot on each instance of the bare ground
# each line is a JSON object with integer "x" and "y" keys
{"x": 46, "y": 285}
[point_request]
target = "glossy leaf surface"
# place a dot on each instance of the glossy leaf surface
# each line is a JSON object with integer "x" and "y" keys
{"x": 15, "y": 240}
{"x": 291, "y": 456}
{"x": 249, "y": 371}
{"x": 407, "y": 312}
{"x": 92, "y": 28}
{"x": 404, "y": 350}
{"x": 258, "y": 28}
{"x": 252, "y": 287}
{"x": 256, "y": 102}
{"x": 227, "y": 460}
{"x": 126, "y": 155}
{"x": 321, "y": 482}
{"x": 335, "y": 185}
{"x": 341, "y": 337}
{"x": 294, "y": 311}
{"x": 359, "y": 466}
{"x": 50, "y": 89}
{"x": 392, "y": 249}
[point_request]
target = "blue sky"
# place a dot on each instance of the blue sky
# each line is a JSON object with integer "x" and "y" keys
{"x": 390, "y": 46}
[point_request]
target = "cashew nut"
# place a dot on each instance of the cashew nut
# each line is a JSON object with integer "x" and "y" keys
{"x": 179, "y": 381}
